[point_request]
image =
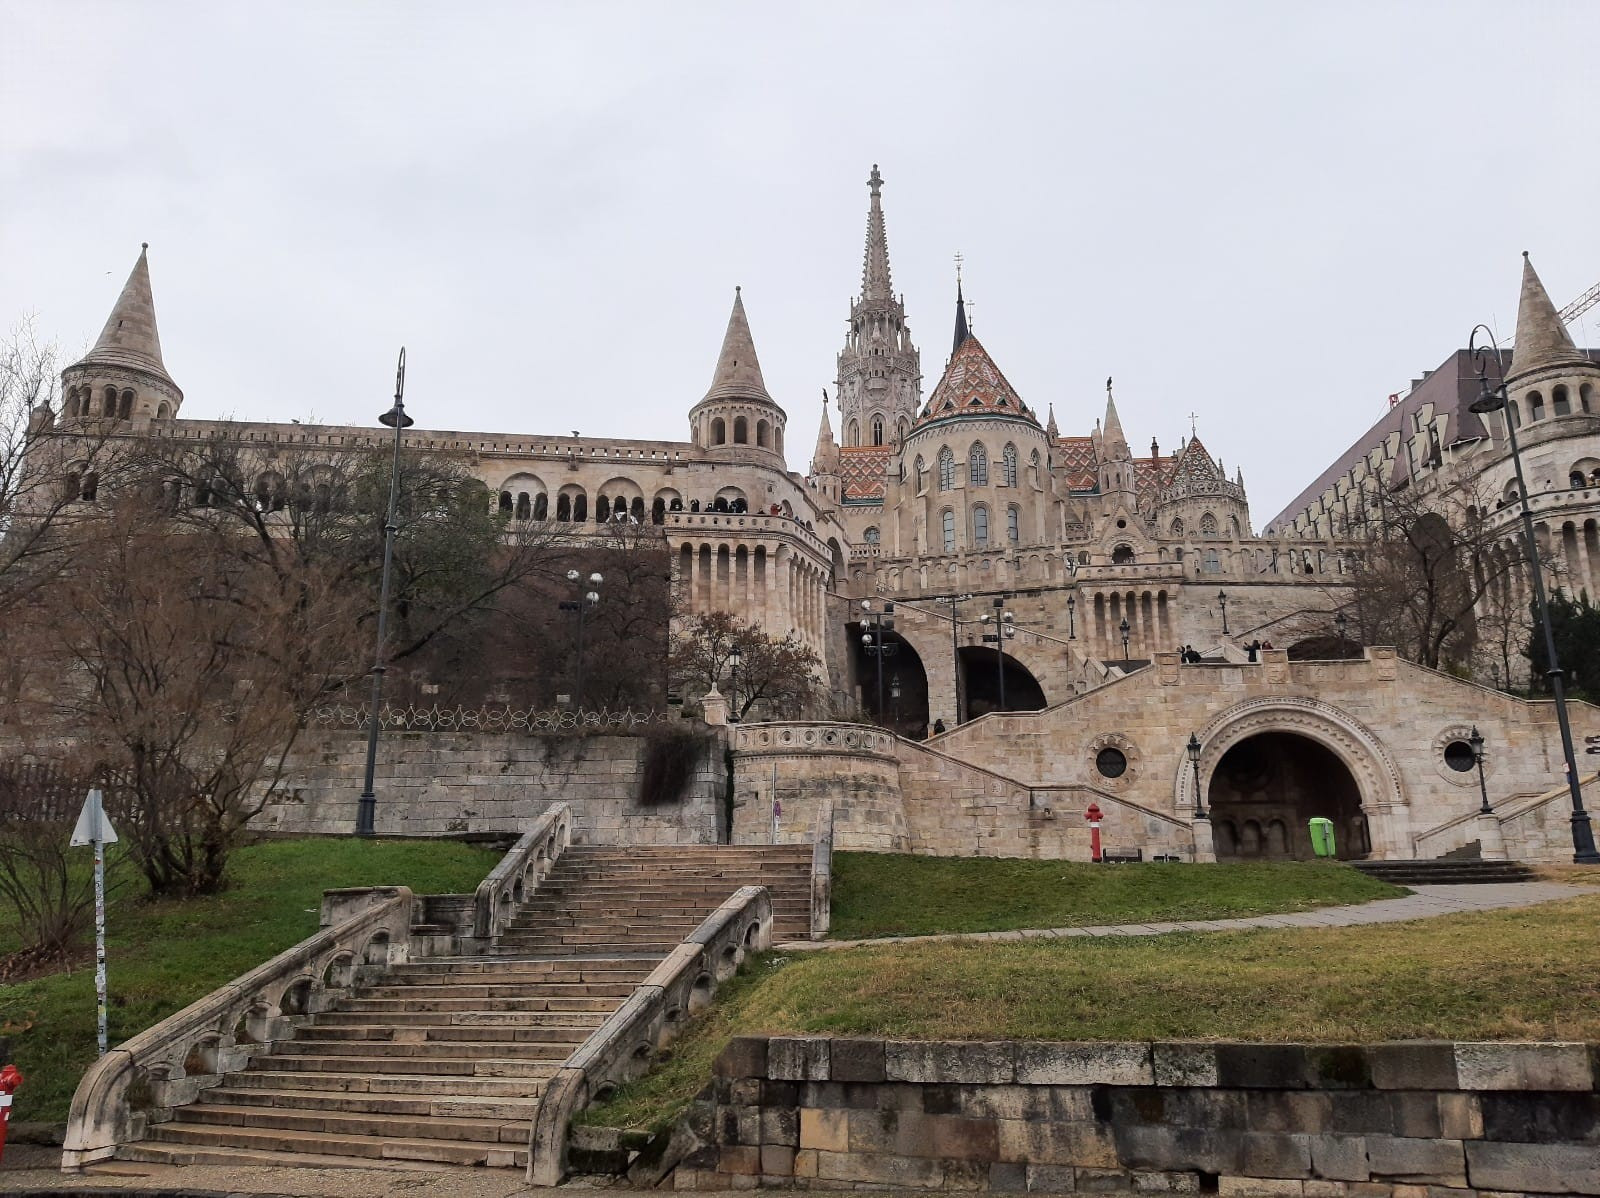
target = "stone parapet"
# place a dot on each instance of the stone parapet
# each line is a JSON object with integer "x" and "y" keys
{"x": 1309, "y": 1120}
{"x": 805, "y": 765}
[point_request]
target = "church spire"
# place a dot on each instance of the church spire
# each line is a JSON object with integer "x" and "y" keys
{"x": 130, "y": 338}
{"x": 876, "y": 290}
{"x": 738, "y": 374}
{"x": 1542, "y": 340}
{"x": 961, "y": 316}
{"x": 825, "y": 460}
{"x": 1116, "y": 444}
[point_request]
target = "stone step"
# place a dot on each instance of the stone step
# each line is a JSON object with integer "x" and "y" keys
{"x": 399, "y": 1006}
{"x": 552, "y": 1021}
{"x": 408, "y": 1033}
{"x": 152, "y": 1153}
{"x": 427, "y": 1106}
{"x": 490, "y": 970}
{"x": 491, "y": 989}
{"x": 353, "y": 1123}
{"x": 361, "y": 1147}
{"x": 424, "y": 1049}
{"x": 400, "y": 1084}
{"x": 442, "y": 1066}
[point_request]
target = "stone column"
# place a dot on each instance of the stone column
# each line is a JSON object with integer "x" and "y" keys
{"x": 1491, "y": 838}
{"x": 1205, "y": 846}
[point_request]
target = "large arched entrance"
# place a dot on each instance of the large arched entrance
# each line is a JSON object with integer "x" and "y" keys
{"x": 981, "y": 683}
{"x": 1266, "y": 788}
{"x": 905, "y": 683}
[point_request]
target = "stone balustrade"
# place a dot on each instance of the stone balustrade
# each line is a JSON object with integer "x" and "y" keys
{"x": 623, "y": 1047}
{"x": 139, "y": 1082}
{"x": 520, "y": 871}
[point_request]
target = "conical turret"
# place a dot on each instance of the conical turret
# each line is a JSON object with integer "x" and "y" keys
{"x": 1116, "y": 445}
{"x": 825, "y": 459}
{"x": 962, "y": 332}
{"x": 1542, "y": 340}
{"x": 738, "y": 373}
{"x": 124, "y": 376}
{"x": 737, "y": 411}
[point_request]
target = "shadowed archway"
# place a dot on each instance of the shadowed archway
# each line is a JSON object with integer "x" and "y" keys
{"x": 1266, "y": 788}
{"x": 980, "y": 683}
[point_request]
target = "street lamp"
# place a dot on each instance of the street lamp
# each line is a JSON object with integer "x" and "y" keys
{"x": 894, "y": 695}
{"x": 1124, "y": 629}
{"x": 874, "y": 644}
{"x": 1194, "y": 763}
{"x": 1339, "y": 622}
{"x": 395, "y": 418}
{"x": 1004, "y": 631}
{"x": 1494, "y": 399}
{"x": 581, "y": 606}
{"x": 955, "y": 645}
{"x": 734, "y": 658}
{"x": 1223, "y": 600}
{"x": 1476, "y": 741}
{"x": 1072, "y": 623}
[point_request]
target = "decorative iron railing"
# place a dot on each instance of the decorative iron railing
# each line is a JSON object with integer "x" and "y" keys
{"x": 489, "y": 718}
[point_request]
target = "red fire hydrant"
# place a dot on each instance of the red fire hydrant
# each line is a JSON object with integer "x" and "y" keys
{"x": 1093, "y": 816}
{"x": 10, "y": 1079}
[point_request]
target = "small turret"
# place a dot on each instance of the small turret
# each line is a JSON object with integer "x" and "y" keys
{"x": 737, "y": 412}
{"x": 825, "y": 458}
{"x": 1550, "y": 376}
{"x": 123, "y": 377}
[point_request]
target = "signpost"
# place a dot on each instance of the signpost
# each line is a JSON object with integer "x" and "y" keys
{"x": 94, "y": 828}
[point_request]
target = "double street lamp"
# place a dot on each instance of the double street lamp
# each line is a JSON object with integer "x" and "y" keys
{"x": 1124, "y": 628}
{"x": 588, "y": 598}
{"x": 1494, "y": 399}
{"x": 735, "y": 660}
{"x": 955, "y": 644}
{"x": 875, "y": 644}
{"x": 395, "y": 418}
{"x": 1222, "y": 601}
{"x": 1004, "y": 630}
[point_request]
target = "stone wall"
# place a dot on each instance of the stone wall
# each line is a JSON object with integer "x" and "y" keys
{"x": 1407, "y": 1120}
{"x": 853, "y": 766}
{"x": 433, "y": 783}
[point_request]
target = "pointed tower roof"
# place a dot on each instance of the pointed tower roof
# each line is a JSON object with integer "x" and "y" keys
{"x": 973, "y": 386}
{"x": 738, "y": 374}
{"x": 1115, "y": 442}
{"x": 961, "y": 318}
{"x": 1542, "y": 340}
{"x": 130, "y": 338}
{"x": 825, "y": 459}
{"x": 876, "y": 289}
{"x": 1050, "y": 425}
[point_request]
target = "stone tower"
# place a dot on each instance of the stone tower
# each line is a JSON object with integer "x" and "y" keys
{"x": 1550, "y": 376}
{"x": 879, "y": 383}
{"x": 123, "y": 376}
{"x": 737, "y": 415}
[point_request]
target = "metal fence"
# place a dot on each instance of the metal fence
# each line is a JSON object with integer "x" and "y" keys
{"x": 490, "y": 718}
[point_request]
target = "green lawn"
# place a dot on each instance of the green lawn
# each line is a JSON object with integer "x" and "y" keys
{"x": 894, "y": 894}
{"x": 1532, "y": 973}
{"x": 163, "y": 956}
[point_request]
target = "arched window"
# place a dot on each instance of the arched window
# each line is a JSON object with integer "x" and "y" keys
{"x": 947, "y": 469}
{"x": 978, "y": 465}
{"x": 505, "y": 500}
{"x": 1585, "y": 393}
{"x": 580, "y": 508}
{"x": 921, "y": 468}
{"x": 877, "y": 430}
{"x": 949, "y": 531}
{"x": 1516, "y": 414}
{"x": 1122, "y": 555}
{"x": 108, "y": 405}
{"x": 871, "y": 535}
{"x": 1177, "y": 527}
{"x": 1208, "y": 525}
{"x": 1008, "y": 466}
{"x": 1560, "y": 403}
{"x": 741, "y": 431}
{"x": 763, "y": 434}
{"x": 1233, "y": 523}
{"x": 1013, "y": 524}
{"x": 777, "y": 440}
{"x": 1212, "y": 562}
{"x": 524, "y": 506}
{"x": 658, "y": 511}
{"x": 636, "y": 509}
{"x": 541, "y": 506}
{"x": 125, "y": 410}
{"x": 852, "y": 433}
{"x": 1535, "y": 407}
{"x": 563, "y": 508}
{"x": 164, "y": 412}
{"x": 980, "y": 527}
{"x": 719, "y": 431}
{"x": 91, "y": 486}
{"x": 602, "y": 509}
{"x": 1575, "y": 480}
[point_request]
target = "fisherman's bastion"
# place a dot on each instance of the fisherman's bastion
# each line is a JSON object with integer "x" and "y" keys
{"x": 1063, "y": 621}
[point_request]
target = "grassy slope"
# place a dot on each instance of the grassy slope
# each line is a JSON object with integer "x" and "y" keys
{"x": 163, "y": 956}
{"x": 890, "y": 894}
{"x": 1532, "y": 973}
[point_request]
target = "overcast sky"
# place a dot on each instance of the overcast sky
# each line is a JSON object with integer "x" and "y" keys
{"x": 1272, "y": 214}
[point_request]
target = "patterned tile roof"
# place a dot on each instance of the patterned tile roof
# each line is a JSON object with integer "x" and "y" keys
{"x": 861, "y": 469}
{"x": 973, "y": 386}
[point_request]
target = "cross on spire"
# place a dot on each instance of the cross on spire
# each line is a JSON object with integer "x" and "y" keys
{"x": 1192, "y": 418}
{"x": 875, "y": 182}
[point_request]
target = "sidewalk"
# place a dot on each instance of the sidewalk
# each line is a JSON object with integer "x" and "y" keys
{"x": 1424, "y": 902}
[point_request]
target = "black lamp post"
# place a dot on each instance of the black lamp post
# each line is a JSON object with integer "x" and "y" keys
{"x": 874, "y": 644}
{"x": 955, "y": 645}
{"x": 581, "y": 606}
{"x": 395, "y": 418}
{"x": 1494, "y": 399}
{"x": 1072, "y": 622}
{"x": 1004, "y": 630}
{"x": 1194, "y": 763}
{"x": 734, "y": 658}
{"x": 1222, "y": 599}
{"x": 894, "y": 695}
{"x": 1339, "y": 622}
{"x": 1476, "y": 741}
{"x": 1124, "y": 629}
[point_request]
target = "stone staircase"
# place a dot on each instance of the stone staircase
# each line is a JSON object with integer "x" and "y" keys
{"x": 442, "y": 1061}
{"x": 1445, "y": 871}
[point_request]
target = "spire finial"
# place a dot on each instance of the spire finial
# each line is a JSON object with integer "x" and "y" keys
{"x": 1542, "y": 337}
{"x": 876, "y": 288}
{"x": 738, "y": 373}
{"x": 144, "y": 245}
{"x": 1192, "y": 430}
{"x": 875, "y": 181}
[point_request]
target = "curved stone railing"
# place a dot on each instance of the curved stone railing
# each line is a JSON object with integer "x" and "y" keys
{"x": 140, "y": 1081}
{"x": 520, "y": 871}
{"x": 822, "y": 872}
{"x": 624, "y": 1046}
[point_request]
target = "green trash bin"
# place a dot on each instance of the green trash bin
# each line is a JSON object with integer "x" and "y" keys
{"x": 1321, "y": 837}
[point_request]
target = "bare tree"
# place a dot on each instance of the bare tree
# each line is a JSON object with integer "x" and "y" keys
{"x": 778, "y": 674}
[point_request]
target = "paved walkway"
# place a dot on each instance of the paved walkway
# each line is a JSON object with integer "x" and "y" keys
{"x": 1423, "y": 903}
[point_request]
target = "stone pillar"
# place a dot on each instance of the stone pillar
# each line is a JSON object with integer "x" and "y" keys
{"x": 715, "y": 707}
{"x": 1491, "y": 838}
{"x": 1205, "y": 846}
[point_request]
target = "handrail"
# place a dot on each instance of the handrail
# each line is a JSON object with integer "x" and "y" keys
{"x": 506, "y": 887}
{"x": 623, "y": 1047}
{"x": 1506, "y": 809}
{"x": 170, "y": 1064}
{"x": 822, "y": 872}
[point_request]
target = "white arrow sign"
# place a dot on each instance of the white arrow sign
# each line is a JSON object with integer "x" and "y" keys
{"x": 94, "y": 828}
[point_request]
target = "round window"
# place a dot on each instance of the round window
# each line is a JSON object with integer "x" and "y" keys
{"x": 1112, "y": 763}
{"x": 1458, "y": 756}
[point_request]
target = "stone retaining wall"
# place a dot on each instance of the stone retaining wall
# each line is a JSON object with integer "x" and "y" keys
{"x": 1407, "y": 1120}
{"x": 437, "y": 783}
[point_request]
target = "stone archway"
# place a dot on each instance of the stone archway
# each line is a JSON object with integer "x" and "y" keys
{"x": 1267, "y": 786}
{"x": 1376, "y": 816}
{"x": 905, "y": 688}
{"x": 981, "y": 683}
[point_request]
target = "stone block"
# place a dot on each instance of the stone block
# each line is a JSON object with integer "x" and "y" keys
{"x": 1183, "y": 1064}
{"x": 1524, "y": 1067}
{"x": 1268, "y": 1154}
{"x": 1288, "y": 1111}
{"x": 1418, "y": 1065}
{"x": 1319, "y": 1188}
{"x": 1460, "y": 1117}
{"x": 1008, "y": 1177}
{"x": 966, "y": 1175}
{"x": 745, "y": 1056}
{"x": 805, "y": 1162}
{"x": 1541, "y": 1118}
{"x": 1083, "y": 1145}
{"x": 740, "y": 1158}
{"x": 1166, "y": 1183}
{"x": 798, "y": 1058}
{"x": 1104, "y": 1181}
{"x": 914, "y": 1062}
{"x": 1175, "y": 1148}
{"x": 1261, "y": 1066}
{"x": 1394, "y": 1158}
{"x": 894, "y": 1171}
{"x": 857, "y": 1061}
{"x": 1052, "y": 1179}
{"x": 777, "y": 1160}
{"x": 1339, "y": 1157}
{"x": 1084, "y": 1065}
{"x": 744, "y": 1091}
{"x": 780, "y": 1125}
{"x": 1178, "y": 1108}
{"x": 1415, "y": 1114}
{"x": 780, "y": 1093}
{"x": 826, "y": 1131}
{"x": 1259, "y": 1187}
{"x": 1360, "y": 1112}
{"x": 1534, "y": 1168}
{"x": 1338, "y": 1067}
